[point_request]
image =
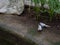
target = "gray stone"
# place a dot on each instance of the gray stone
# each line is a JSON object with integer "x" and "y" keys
{"x": 11, "y": 6}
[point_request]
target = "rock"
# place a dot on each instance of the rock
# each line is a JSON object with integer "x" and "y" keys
{"x": 11, "y": 6}
{"x": 28, "y": 2}
{"x": 46, "y": 6}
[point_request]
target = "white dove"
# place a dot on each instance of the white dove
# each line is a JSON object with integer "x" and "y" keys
{"x": 41, "y": 26}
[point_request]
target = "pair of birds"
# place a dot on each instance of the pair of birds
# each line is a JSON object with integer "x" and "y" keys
{"x": 41, "y": 26}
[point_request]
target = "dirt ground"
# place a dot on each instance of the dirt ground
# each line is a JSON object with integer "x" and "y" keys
{"x": 49, "y": 36}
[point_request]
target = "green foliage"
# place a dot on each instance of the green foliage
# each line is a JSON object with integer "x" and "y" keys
{"x": 54, "y": 7}
{"x": 37, "y": 10}
{"x": 37, "y": 7}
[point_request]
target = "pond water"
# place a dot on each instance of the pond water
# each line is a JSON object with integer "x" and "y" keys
{"x": 7, "y": 38}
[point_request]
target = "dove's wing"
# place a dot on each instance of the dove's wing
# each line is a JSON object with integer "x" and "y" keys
{"x": 44, "y": 25}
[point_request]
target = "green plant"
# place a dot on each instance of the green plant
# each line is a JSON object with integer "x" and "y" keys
{"x": 37, "y": 7}
{"x": 54, "y": 7}
{"x": 37, "y": 14}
